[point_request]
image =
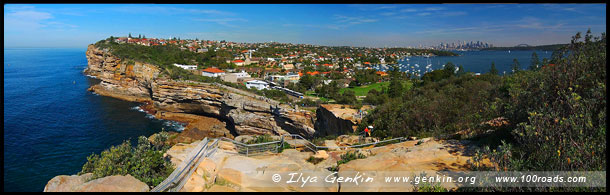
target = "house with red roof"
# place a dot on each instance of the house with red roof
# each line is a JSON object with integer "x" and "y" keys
{"x": 212, "y": 72}
{"x": 381, "y": 73}
{"x": 239, "y": 62}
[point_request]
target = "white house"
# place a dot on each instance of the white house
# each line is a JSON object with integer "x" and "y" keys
{"x": 187, "y": 67}
{"x": 239, "y": 62}
{"x": 235, "y": 77}
{"x": 260, "y": 85}
{"x": 212, "y": 72}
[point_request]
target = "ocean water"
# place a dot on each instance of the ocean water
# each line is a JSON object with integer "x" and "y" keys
{"x": 472, "y": 61}
{"x": 52, "y": 123}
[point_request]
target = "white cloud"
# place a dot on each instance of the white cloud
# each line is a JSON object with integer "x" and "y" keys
{"x": 25, "y": 18}
{"x": 222, "y": 21}
{"x": 434, "y": 8}
{"x": 168, "y": 10}
{"x": 408, "y": 10}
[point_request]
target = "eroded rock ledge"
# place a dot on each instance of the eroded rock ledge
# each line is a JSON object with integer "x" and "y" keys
{"x": 243, "y": 112}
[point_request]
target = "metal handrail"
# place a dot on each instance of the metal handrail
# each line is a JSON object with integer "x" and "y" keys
{"x": 207, "y": 149}
{"x": 193, "y": 166}
{"x": 309, "y": 145}
{"x": 177, "y": 174}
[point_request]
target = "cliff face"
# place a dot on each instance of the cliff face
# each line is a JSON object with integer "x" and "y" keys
{"x": 123, "y": 80}
{"x": 335, "y": 119}
{"x": 244, "y": 112}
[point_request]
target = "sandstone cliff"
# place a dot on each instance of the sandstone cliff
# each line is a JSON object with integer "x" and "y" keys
{"x": 244, "y": 112}
{"x": 336, "y": 119}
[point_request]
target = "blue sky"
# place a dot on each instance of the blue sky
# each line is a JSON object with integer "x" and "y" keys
{"x": 371, "y": 25}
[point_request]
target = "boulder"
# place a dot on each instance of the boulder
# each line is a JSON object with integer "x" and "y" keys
{"x": 244, "y": 138}
{"x": 348, "y": 140}
{"x": 66, "y": 183}
{"x": 228, "y": 146}
{"x": 178, "y": 152}
{"x": 202, "y": 127}
{"x": 321, "y": 154}
{"x": 115, "y": 183}
{"x": 331, "y": 144}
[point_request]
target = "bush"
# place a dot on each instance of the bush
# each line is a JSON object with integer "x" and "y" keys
{"x": 145, "y": 161}
{"x": 261, "y": 139}
{"x": 314, "y": 160}
{"x": 558, "y": 115}
{"x": 349, "y": 156}
{"x": 561, "y": 110}
{"x": 438, "y": 108}
{"x": 427, "y": 187}
{"x": 307, "y": 102}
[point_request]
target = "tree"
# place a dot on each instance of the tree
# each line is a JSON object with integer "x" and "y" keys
{"x": 395, "y": 89}
{"x": 348, "y": 97}
{"x": 545, "y": 61}
{"x": 515, "y": 65}
{"x": 307, "y": 82}
{"x": 449, "y": 68}
{"x": 328, "y": 91}
{"x": 130, "y": 35}
{"x": 139, "y": 36}
{"x": 535, "y": 62}
{"x": 493, "y": 69}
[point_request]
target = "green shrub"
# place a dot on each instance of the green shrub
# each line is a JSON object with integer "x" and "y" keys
{"x": 144, "y": 161}
{"x": 261, "y": 139}
{"x": 349, "y": 156}
{"x": 558, "y": 115}
{"x": 427, "y": 187}
{"x": 560, "y": 111}
{"x": 314, "y": 160}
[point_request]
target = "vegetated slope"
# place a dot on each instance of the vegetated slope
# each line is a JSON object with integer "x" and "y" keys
{"x": 556, "y": 114}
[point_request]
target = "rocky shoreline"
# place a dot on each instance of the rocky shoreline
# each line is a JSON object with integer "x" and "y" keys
{"x": 242, "y": 112}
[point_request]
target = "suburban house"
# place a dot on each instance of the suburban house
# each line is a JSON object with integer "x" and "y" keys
{"x": 288, "y": 66}
{"x": 235, "y": 77}
{"x": 186, "y": 67}
{"x": 250, "y": 61}
{"x": 275, "y": 78}
{"x": 239, "y": 62}
{"x": 212, "y": 72}
{"x": 260, "y": 85}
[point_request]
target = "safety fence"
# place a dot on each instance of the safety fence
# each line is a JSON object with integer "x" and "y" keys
{"x": 176, "y": 180}
{"x": 206, "y": 148}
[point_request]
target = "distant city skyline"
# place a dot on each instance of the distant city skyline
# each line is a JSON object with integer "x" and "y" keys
{"x": 371, "y": 25}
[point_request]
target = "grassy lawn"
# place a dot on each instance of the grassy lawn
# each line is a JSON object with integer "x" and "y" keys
{"x": 363, "y": 90}
{"x": 313, "y": 94}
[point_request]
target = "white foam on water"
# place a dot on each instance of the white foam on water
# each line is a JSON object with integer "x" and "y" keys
{"x": 137, "y": 108}
{"x": 176, "y": 126}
